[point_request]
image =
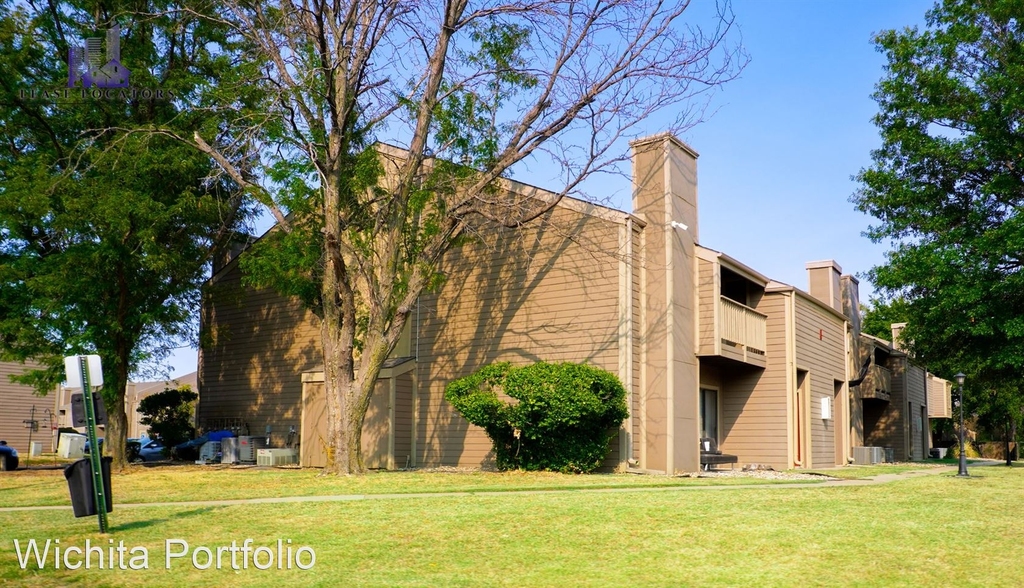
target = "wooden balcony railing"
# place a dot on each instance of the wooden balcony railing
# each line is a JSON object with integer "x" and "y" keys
{"x": 742, "y": 326}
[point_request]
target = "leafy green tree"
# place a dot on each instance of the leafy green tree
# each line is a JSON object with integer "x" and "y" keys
{"x": 1000, "y": 413}
{"x": 947, "y": 185}
{"x": 490, "y": 87}
{"x": 169, "y": 415}
{"x": 880, "y": 315}
{"x": 105, "y": 235}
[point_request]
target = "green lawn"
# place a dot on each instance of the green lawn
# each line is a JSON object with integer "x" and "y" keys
{"x": 185, "y": 483}
{"x": 933, "y": 530}
{"x": 855, "y": 472}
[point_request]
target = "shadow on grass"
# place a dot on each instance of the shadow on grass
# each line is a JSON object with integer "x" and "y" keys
{"x": 195, "y": 512}
{"x": 21, "y": 488}
{"x": 137, "y": 525}
{"x": 178, "y": 515}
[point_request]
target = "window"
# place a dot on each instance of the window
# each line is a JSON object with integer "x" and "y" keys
{"x": 709, "y": 413}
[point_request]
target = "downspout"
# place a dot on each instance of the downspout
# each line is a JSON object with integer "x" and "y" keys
{"x": 625, "y": 337}
{"x": 644, "y": 342}
{"x": 863, "y": 372}
{"x": 847, "y": 400}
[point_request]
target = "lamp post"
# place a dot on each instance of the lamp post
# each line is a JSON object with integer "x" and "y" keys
{"x": 960, "y": 377}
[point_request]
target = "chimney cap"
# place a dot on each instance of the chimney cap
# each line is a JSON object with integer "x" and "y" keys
{"x": 824, "y": 263}
{"x": 665, "y": 136}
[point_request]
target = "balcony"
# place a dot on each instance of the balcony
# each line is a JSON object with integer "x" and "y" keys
{"x": 877, "y": 384}
{"x": 940, "y": 404}
{"x": 741, "y": 333}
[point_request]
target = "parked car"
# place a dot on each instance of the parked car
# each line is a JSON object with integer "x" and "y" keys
{"x": 10, "y": 454}
{"x": 99, "y": 441}
{"x": 151, "y": 450}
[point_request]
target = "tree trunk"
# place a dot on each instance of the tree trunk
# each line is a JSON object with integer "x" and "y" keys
{"x": 117, "y": 419}
{"x": 337, "y": 382}
{"x": 1008, "y": 437}
{"x": 117, "y": 431}
{"x": 1013, "y": 438}
{"x": 348, "y": 399}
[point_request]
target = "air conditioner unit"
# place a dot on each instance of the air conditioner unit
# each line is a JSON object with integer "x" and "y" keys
{"x": 868, "y": 455}
{"x": 71, "y": 446}
{"x": 210, "y": 451}
{"x": 246, "y": 448}
{"x": 229, "y": 450}
{"x": 276, "y": 457}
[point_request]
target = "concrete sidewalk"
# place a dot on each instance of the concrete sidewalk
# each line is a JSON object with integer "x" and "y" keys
{"x": 832, "y": 483}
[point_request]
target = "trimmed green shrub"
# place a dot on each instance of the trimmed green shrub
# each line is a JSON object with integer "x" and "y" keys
{"x": 561, "y": 416}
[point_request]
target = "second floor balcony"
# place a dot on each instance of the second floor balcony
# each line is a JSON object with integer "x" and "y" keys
{"x": 877, "y": 384}
{"x": 739, "y": 333}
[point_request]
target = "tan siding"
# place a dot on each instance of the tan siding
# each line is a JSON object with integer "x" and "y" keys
{"x": 548, "y": 293}
{"x": 895, "y": 427}
{"x": 649, "y": 185}
{"x": 754, "y": 401}
{"x": 820, "y": 349}
{"x": 710, "y": 376}
{"x": 939, "y": 398}
{"x": 708, "y": 298}
{"x": 891, "y": 426}
{"x": 16, "y": 402}
{"x": 896, "y": 411}
{"x": 374, "y": 440}
{"x": 820, "y": 284}
{"x": 257, "y": 346}
{"x": 917, "y": 398}
{"x": 403, "y": 419}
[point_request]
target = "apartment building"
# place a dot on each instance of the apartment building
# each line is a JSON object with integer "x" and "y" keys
{"x": 706, "y": 346}
{"x": 24, "y": 415}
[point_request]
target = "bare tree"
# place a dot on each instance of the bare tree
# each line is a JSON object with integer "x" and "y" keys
{"x": 470, "y": 90}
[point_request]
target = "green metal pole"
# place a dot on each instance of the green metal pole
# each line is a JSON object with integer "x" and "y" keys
{"x": 95, "y": 463}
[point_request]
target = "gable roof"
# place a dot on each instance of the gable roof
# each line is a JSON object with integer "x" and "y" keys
{"x": 580, "y": 206}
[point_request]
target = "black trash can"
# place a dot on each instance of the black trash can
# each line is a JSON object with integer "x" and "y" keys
{"x": 8, "y": 459}
{"x": 79, "y": 476}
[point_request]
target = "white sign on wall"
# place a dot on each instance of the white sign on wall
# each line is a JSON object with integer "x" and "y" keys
{"x": 73, "y": 371}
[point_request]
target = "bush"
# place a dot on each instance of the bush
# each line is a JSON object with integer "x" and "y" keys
{"x": 561, "y": 416}
{"x": 168, "y": 415}
{"x": 969, "y": 450}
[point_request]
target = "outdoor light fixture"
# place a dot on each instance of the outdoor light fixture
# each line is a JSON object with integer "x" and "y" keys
{"x": 960, "y": 377}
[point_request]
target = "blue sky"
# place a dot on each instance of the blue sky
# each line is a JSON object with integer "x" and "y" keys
{"x": 777, "y": 156}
